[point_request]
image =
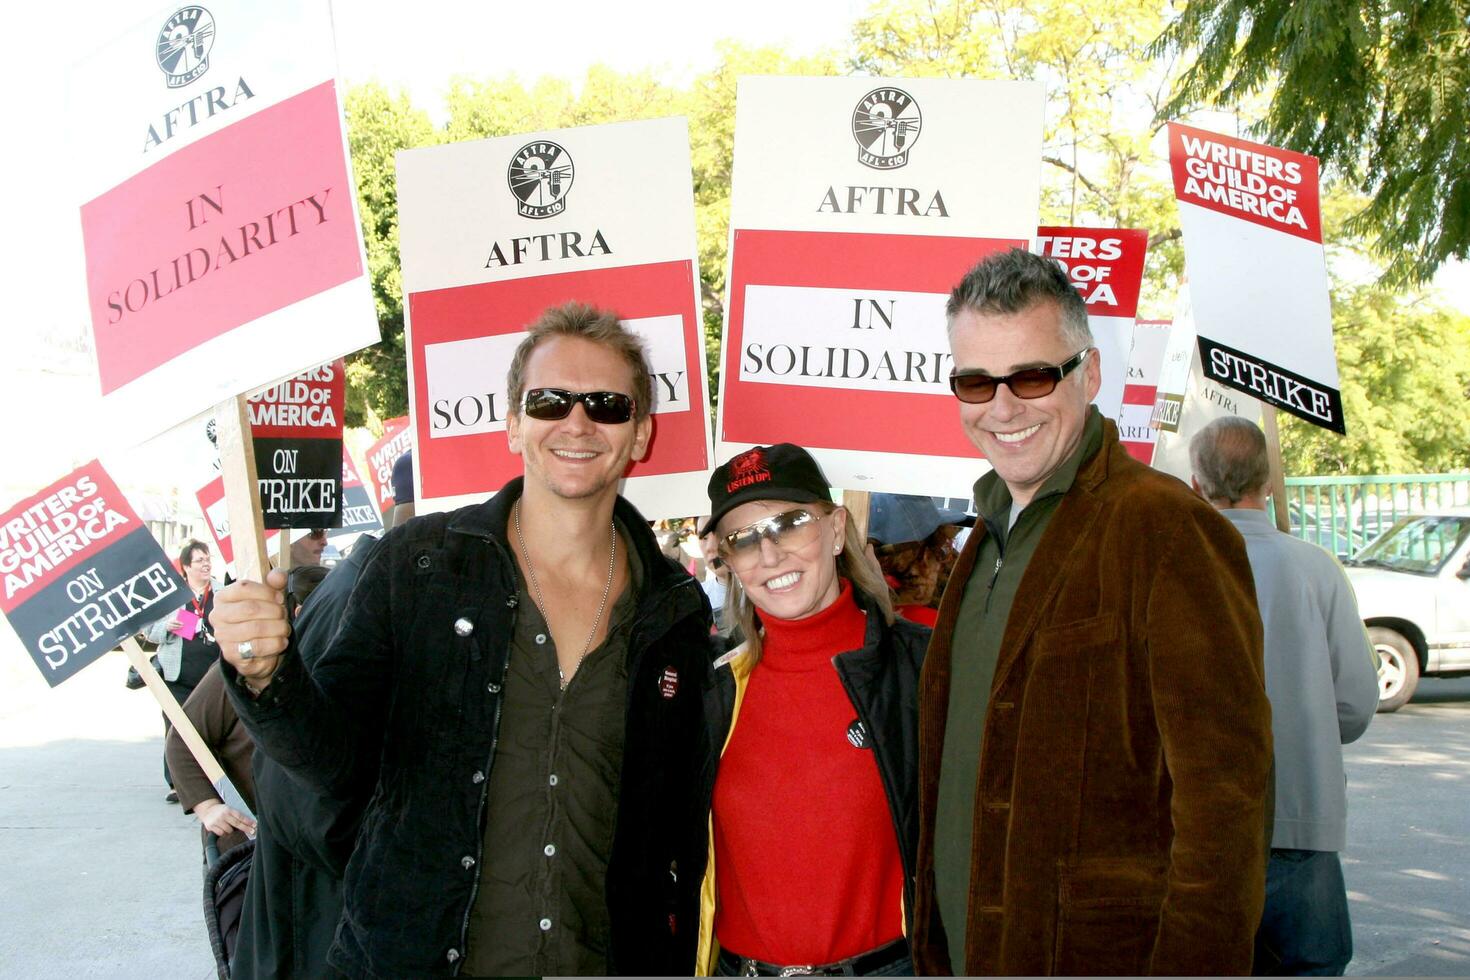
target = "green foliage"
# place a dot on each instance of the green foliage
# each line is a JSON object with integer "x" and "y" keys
{"x": 1405, "y": 365}
{"x": 378, "y": 126}
{"x": 1103, "y": 94}
{"x": 1380, "y": 91}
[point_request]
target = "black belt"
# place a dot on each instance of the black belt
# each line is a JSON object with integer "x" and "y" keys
{"x": 854, "y": 966}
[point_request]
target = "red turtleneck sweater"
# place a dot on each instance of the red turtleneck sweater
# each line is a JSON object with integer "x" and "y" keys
{"x": 806, "y": 859}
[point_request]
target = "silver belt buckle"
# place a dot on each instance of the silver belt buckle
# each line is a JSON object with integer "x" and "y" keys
{"x": 747, "y": 968}
{"x": 796, "y": 971}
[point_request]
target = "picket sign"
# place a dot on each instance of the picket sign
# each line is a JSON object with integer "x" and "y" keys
{"x": 242, "y": 496}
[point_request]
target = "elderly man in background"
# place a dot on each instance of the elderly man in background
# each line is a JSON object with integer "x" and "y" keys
{"x": 1322, "y": 682}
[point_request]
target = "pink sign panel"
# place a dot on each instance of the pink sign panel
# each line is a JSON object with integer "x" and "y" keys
{"x": 226, "y": 230}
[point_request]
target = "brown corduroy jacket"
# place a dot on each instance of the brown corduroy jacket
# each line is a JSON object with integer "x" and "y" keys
{"x": 1120, "y": 806}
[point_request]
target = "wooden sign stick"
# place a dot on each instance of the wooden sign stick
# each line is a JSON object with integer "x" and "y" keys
{"x": 172, "y": 709}
{"x": 1278, "y": 474}
{"x": 857, "y": 503}
{"x": 283, "y": 549}
{"x": 242, "y": 492}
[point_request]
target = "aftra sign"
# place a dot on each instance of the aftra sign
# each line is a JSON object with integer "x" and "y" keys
{"x": 219, "y": 219}
{"x": 1252, "y": 224}
{"x": 495, "y": 232}
{"x": 841, "y": 262}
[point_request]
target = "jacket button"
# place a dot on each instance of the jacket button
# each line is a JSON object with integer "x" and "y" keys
{"x": 512, "y": 600}
{"x": 463, "y": 626}
{"x": 477, "y": 778}
{"x": 545, "y": 925}
{"x": 467, "y": 862}
{"x": 540, "y": 639}
{"x": 493, "y": 687}
{"x": 452, "y": 956}
{"x": 549, "y": 850}
{"x": 423, "y": 562}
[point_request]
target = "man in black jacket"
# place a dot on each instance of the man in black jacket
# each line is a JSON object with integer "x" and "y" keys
{"x": 521, "y": 680}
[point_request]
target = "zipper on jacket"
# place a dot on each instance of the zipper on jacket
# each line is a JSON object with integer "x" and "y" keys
{"x": 1001, "y": 560}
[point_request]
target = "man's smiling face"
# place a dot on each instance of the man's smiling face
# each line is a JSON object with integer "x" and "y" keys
{"x": 1025, "y": 439}
{"x": 576, "y": 457}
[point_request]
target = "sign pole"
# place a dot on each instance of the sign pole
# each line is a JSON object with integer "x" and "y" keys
{"x": 857, "y": 503}
{"x": 1278, "y": 474}
{"x": 242, "y": 493}
{"x": 283, "y": 550}
{"x": 174, "y": 710}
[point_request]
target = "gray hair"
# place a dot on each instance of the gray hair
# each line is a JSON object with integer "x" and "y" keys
{"x": 1016, "y": 280}
{"x": 1229, "y": 459}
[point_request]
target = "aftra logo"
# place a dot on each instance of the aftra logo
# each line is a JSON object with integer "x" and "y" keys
{"x": 886, "y": 125}
{"x": 540, "y": 175}
{"x": 183, "y": 45}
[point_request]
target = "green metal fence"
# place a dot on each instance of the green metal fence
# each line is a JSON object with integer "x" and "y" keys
{"x": 1343, "y": 513}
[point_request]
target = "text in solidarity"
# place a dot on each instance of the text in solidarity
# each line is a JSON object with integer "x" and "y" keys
{"x": 233, "y": 245}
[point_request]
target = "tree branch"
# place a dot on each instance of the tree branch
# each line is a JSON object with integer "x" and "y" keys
{"x": 1165, "y": 236}
{"x": 1059, "y": 162}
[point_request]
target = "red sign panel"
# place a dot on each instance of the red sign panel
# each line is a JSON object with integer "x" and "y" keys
{"x": 1105, "y": 264}
{"x": 254, "y": 218}
{"x": 856, "y": 415}
{"x": 1265, "y": 185}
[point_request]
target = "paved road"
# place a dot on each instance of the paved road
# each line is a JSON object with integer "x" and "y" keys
{"x": 101, "y": 877}
{"x": 1407, "y": 862}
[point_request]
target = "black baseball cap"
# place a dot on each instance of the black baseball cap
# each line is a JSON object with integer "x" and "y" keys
{"x": 780, "y": 472}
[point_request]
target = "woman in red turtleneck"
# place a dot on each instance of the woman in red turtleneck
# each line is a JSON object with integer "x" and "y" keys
{"x": 813, "y": 821}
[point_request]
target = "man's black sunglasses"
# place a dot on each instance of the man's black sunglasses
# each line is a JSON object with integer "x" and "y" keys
{"x": 976, "y": 387}
{"x": 551, "y": 404}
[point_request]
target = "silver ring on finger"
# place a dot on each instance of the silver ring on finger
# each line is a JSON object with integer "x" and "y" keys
{"x": 245, "y": 650}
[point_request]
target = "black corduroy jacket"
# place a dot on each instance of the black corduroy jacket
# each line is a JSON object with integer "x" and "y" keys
{"x": 410, "y": 691}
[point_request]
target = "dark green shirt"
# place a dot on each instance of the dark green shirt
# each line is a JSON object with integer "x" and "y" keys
{"x": 975, "y": 646}
{"x": 541, "y": 908}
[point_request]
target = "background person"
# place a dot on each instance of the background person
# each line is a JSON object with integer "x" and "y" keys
{"x": 534, "y": 755}
{"x": 913, "y": 542}
{"x": 1322, "y": 679}
{"x": 813, "y": 815}
{"x": 186, "y": 652}
{"x": 307, "y": 550}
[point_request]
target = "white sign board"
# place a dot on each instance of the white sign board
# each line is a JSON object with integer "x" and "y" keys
{"x": 494, "y": 232}
{"x": 857, "y": 204}
{"x": 220, "y": 225}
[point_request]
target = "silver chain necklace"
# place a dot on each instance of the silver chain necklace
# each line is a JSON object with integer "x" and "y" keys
{"x": 541, "y": 602}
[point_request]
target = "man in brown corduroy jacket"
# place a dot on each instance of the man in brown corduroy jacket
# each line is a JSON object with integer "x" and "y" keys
{"x": 1095, "y": 739}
